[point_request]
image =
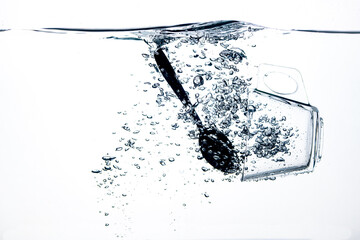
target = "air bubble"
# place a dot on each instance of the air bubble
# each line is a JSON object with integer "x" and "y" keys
{"x": 198, "y": 81}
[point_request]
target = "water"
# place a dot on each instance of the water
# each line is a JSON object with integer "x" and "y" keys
{"x": 214, "y": 64}
{"x": 153, "y": 151}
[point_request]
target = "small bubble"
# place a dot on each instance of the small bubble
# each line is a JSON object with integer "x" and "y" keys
{"x": 107, "y": 168}
{"x": 198, "y": 81}
{"x": 146, "y": 56}
{"x": 206, "y": 195}
{"x": 205, "y": 169}
{"x": 155, "y": 85}
{"x": 233, "y": 56}
{"x": 96, "y": 171}
{"x": 154, "y": 123}
{"x": 106, "y": 224}
{"x": 174, "y": 126}
{"x": 280, "y": 159}
{"x": 106, "y": 214}
{"x": 162, "y": 162}
{"x": 108, "y": 158}
{"x": 171, "y": 159}
{"x": 126, "y": 128}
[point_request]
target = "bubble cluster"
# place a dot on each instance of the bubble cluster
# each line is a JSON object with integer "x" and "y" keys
{"x": 270, "y": 137}
{"x": 158, "y": 136}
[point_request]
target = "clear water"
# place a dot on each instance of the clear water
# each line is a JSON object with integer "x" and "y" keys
{"x": 154, "y": 152}
{"x": 214, "y": 64}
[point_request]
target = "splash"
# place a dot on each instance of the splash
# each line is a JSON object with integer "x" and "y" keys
{"x": 214, "y": 64}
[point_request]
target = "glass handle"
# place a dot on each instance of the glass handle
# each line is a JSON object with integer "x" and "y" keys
{"x": 281, "y": 81}
{"x": 319, "y": 140}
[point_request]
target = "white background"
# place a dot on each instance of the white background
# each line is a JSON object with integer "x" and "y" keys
{"x": 56, "y": 95}
{"x": 343, "y": 15}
